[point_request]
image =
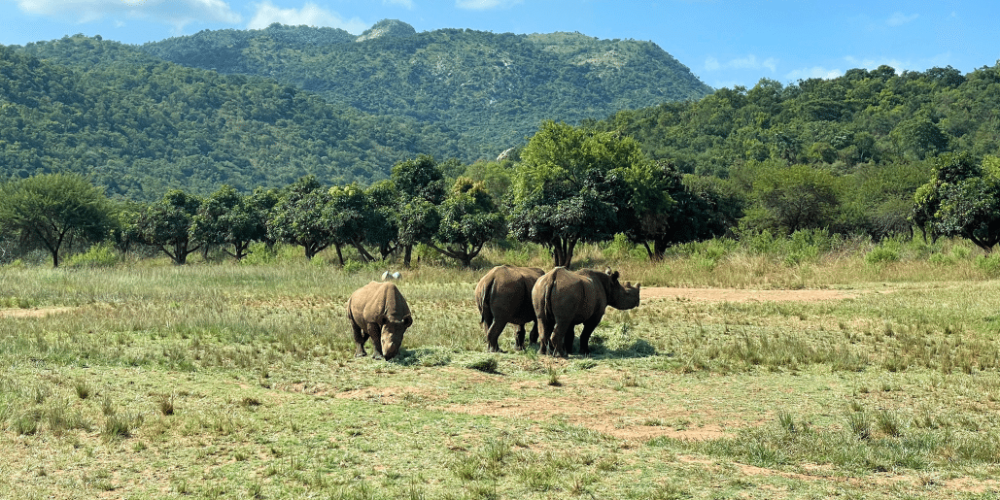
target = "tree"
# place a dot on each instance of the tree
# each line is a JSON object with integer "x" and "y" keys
{"x": 568, "y": 185}
{"x": 229, "y": 218}
{"x": 792, "y": 198}
{"x": 948, "y": 169}
{"x": 965, "y": 199}
{"x": 469, "y": 219}
{"x": 51, "y": 210}
{"x": 420, "y": 184}
{"x": 665, "y": 211}
{"x": 166, "y": 225}
{"x": 304, "y": 217}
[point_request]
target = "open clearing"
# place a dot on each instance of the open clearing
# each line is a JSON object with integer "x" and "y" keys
{"x": 231, "y": 382}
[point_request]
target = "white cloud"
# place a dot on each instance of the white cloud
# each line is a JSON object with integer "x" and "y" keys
{"x": 310, "y": 15}
{"x": 485, "y": 4}
{"x": 899, "y": 19}
{"x": 814, "y": 72}
{"x": 403, "y": 3}
{"x": 177, "y": 13}
{"x": 748, "y": 62}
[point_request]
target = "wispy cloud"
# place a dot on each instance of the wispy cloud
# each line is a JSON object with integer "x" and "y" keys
{"x": 176, "y": 13}
{"x": 899, "y": 19}
{"x": 404, "y": 3}
{"x": 748, "y": 62}
{"x": 310, "y": 15}
{"x": 921, "y": 64}
{"x": 813, "y": 72}
{"x": 485, "y": 4}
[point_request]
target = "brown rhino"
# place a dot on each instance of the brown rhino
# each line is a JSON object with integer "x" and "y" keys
{"x": 504, "y": 296}
{"x": 564, "y": 299}
{"x": 379, "y": 311}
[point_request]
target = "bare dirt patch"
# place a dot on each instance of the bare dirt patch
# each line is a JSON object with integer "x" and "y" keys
{"x": 747, "y": 295}
{"x": 37, "y": 312}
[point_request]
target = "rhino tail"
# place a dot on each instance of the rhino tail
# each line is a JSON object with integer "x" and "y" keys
{"x": 485, "y": 299}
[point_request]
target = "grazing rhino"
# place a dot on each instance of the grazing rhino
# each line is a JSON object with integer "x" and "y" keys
{"x": 379, "y": 311}
{"x": 504, "y": 296}
{"x": 564, "y": 299}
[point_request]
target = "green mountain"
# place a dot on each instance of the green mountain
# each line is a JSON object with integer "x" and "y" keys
{"x": 140, "y": 126}
{"x": 492, "y": 89}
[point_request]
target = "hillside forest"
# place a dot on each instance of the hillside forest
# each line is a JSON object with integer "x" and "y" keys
{"x": 182, "y": 159}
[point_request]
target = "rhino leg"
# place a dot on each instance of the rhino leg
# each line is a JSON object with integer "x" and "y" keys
{"x": 533, "y": 336}
{"x": 359, "y": 340}
{"x": 544, "y": 336}
{"x": 374, "y": 331}
{"x": 519, "y": 340}
{"x": 493, "y": 335}
{"x": 588, "y": 328}
{"x": 557, "y": 341}
{"x": 568, "y": 341}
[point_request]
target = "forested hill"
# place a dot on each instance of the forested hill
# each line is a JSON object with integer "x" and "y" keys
{"x": 866, "y": 117}
{"x": 139, "y": 125}
{"x": 494, "y": 89}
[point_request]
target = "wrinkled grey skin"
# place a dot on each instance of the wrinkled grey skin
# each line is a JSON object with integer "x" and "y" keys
{"x": 504, "y": 296}
{"x": 564, "y": 299}
{"x": 379, "y": 311}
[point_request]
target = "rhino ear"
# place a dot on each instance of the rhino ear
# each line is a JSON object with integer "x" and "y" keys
{"x": 615, "y": 275}
{"x": 607, "y": 270}
{"x": 628, "y": 284}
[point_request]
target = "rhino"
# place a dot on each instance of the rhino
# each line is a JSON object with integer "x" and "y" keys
{"x": 378, "y": 310}
{"x": 564, "y": 299}
{"x": 504, "y": 296}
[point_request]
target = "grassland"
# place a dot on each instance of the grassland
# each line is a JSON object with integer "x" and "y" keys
{"x": 217, "y": 380}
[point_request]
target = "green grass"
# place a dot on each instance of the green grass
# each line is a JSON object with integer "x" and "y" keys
{"x": 218, "y": 380}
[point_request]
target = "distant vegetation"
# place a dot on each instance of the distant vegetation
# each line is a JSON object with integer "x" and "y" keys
{"x": 490, "y": 90}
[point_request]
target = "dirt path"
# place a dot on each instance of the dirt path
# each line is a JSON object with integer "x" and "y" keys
{"x": 746, "y": 295}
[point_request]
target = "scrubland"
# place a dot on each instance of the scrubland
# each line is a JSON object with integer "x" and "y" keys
{"x": 135, "y": 378}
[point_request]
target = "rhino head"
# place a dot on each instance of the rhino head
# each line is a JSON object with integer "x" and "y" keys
{"x": 622, "y": 296}
{"x": 392, "y": 335}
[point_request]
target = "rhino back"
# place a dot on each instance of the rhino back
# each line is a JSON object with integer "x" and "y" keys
{"x": 376, "y": 301}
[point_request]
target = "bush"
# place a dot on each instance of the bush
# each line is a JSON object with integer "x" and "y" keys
{"x": 989, "y": 264}
{"x": 100, "y": 255}
{"x": 885, "y": 252}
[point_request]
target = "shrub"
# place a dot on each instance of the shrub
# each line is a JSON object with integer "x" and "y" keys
{"x": 885, "y": 252}
{"x": 989, "y": 264}
{"x": 100, "y": 255}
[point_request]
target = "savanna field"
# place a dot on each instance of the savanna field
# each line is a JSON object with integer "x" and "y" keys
{"x": 808, "y": 367}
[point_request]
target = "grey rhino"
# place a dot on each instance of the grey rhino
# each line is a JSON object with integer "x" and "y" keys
{"x": 379, "y": 311}
{"x": 504, "y": 296}
{"x": 564, "y": 299}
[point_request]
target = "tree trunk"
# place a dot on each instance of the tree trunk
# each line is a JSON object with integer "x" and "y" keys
{"x": 407, "y": 252}
{"x": 340, "y": 255}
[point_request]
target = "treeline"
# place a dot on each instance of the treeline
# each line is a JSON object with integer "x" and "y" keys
{"x": 495, "y": 88}
{"x": 140, "y": 126}
{"x": 569, "y": 185}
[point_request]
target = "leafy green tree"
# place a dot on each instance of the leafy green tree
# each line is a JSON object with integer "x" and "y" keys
{"x": 420, "y": 184}
{"x": 51, "y": 210}
{"x": 418, "y": 222}
{"x": 793, "y": 198}
{"x": 230, "y": 218}
{"x": 947, "y": 170}
{"x": 962, "y": 199}
{"x": 568, "y": 186}
{"x": 666, "y": 211}
{"x": 383, "y": 231}
{"x": 304, "y": 217}
{"x": 166, "y": 225}
{"x": 352, "y": 217}
{"x": 469, "y": 219}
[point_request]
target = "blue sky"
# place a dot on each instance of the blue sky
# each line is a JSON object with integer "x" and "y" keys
{"x": 724, "y": 42}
